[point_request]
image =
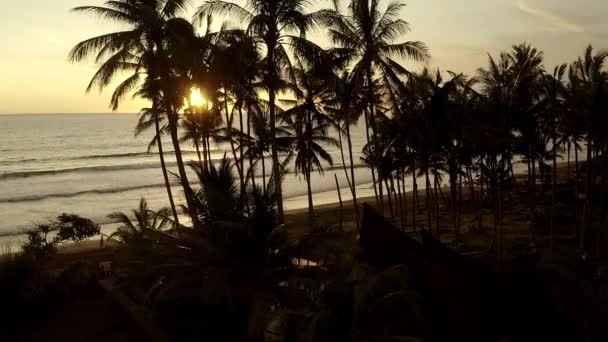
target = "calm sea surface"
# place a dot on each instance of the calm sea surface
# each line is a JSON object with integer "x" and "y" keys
{"x": 92, "y": 165}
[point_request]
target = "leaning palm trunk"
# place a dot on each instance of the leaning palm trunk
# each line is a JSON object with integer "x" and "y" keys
{"x": 188, "y": 193}
{"x": 372, "y": 167}
{"x": 309, "y": 190}
{"x": 164, "y": 168}
{"x": 352, "y": 172}
{"x": 198, "y": 152}
{"x": 350, "y": 185}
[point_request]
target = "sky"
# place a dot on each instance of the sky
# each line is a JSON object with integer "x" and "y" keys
{"x": 36, "y": 36}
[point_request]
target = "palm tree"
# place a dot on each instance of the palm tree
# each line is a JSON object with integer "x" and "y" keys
{"x": 369, "y": 36}
{"x": 149, "y": 117}
{"x": 271, "y": 23}
{"x": 140, "y": 48}
{"x": 553, "y": 109}
{"x": 591, "y": 81}
{"x": 144, "y": 219}
{"x": 309, "y": 125}
{"x": 347, "y": 110}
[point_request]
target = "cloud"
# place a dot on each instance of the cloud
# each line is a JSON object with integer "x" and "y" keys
{"x": 552, "y": 19}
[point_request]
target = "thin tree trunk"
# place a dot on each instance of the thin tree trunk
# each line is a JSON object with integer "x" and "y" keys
{"x": 372, "y": 168}
{"x": 241, "y": 151}
{"x": 164, "y": 168}
{"x": 428, "y": 200}
{"x": 198, "y": 152}
{"x": 205, "y": 159}
{"x": 310, "y": 203}
{"x": 209, "y": 160}
{"x": 276, "y": 167}
{"x": 577, "y": 227}
{"x": 352, "y": 172}
{"x": 553, "y": 181}
{"x": 264, "y": 173}
{"x": 388, "y": 194}
{"x": 568, "y": 157}
{"x": 188, "y": 193}
{"x": 343, "y": 158}
{"x": 339, "y": 199}
{"x": 414, "y": 199}
{"x": 237, "y": 162}
{"x": 375, "y": 134}
{"x": 250, "y": 154}
{"x": 586, "y": 208}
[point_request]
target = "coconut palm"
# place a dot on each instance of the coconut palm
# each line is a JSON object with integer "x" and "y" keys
{"x": 590, "y": 79}
{"x": 141, "y": 48}
{"x": 147, "y": 118}
{"x": 271, "y": 23}
{"x": 369, "y": 35}
{"x": 553, "y": 85}
{"x": 309, "y": 125}
{"x": 143, "y": 220}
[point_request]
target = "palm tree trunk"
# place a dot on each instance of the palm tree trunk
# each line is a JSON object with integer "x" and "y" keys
{"x": 370, "y": 93}
{"x": 368, "y": 143}
{"x": 188, "y": 193}
{"x": 309, "y": 190}
{"x": 399, "y": 197}
{"x": 205, "y": 160}
{"x": 251, "y": 167}
{"x": 276, "y": 167}
{"x": 209, "y": 160}
{"x": 568, "y": 158}
{"x": 241, "y": 152}
{"x": 237, "y": 162}
{"x": 164, "y": 168}
{"x": 553, "y": 180}
{"x": 352, "y": 172}
{"x": 414, "y": 198}
{"x": 388, "y": 194}
{"x": 436, "y": 206}
{"x": 453, "y": 199}
{"x": 264, "y": 173}
{"x": 404, "y": 192}
{"x": 577, "y": 202}
{"x": 428, "y": 200}
{"x": 587, "y": 205}
{"x": 198, "y": 152}
{"x": 350, "y": 186}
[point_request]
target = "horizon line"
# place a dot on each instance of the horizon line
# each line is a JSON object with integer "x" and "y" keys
{"x": 70, "y": 113}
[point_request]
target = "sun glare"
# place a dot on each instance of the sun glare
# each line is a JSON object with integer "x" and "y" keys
{"x": 196, "y": 98}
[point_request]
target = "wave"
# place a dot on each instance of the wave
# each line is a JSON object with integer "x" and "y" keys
{"x": 103, "y": 156}
{"x": 27, "y": 174}
{"x": 35, "y": 198}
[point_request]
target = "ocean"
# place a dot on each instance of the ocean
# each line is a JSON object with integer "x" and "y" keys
{"x": 93, "y": 165}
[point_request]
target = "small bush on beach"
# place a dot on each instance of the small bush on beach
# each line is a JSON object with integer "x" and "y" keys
{"x": 42, "y": 241}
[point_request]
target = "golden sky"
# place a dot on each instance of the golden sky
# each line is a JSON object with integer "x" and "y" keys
{"x": 37, "y": 35}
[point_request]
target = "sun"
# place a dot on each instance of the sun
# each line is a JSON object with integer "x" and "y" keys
{"x": 196, "y": 98}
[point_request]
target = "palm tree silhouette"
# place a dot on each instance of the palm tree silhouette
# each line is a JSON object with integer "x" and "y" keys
{"x": 147, "y": 118}
{"x": 144, "y": 219}
{"x": 141, "y": 48}
{"x": 271, "y": 23}
{"x": 369, "y": 35}
{"x": 309, "y": 125}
